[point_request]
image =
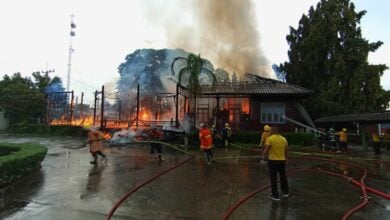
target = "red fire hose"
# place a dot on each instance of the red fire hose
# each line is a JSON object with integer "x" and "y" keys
{"x": 132, "y": 190}
{"x": 362, "y": 184}
{"x": 357, "y": 183}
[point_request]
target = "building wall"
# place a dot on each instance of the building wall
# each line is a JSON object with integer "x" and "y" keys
{"x": 251, "y": 123}
{"x": 4, "y": 122}
{"x": 256, "y": 112}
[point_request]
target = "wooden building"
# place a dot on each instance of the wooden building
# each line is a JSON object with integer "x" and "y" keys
{"x": 249, "y": 105}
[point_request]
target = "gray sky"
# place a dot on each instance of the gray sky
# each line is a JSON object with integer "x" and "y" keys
{"x": 35, "y": 34}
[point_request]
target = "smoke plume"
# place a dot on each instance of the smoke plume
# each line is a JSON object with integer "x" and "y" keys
{"x": 223, "y": 31}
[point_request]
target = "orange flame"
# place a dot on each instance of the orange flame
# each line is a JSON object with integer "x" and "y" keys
{"x": 245, "y": 105}
{"x": 145, "y": 114}
{"x": 85, "y": 121}
{"x": 107, "y": 136}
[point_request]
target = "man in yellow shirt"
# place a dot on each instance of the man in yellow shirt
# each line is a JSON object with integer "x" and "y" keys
{"x": 276, "y": 149}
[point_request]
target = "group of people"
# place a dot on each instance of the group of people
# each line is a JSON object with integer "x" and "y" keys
{"x": 208, "y": 138}
{"x": 96, "y": 144}
{"x": 225, "y": 135}
{"x": 275, "y": 150}
{"x": 274, "y": 153}
{"x": 335, "y": 141}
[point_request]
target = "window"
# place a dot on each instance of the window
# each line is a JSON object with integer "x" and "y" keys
{"x": 272, "y": 113}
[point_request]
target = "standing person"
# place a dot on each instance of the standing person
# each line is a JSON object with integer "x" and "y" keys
{"x": 264, "y": 135}
{"x": 155, "y": 135}
{"x": 376, "y": 143}
{"x": 343, "y": 138}
{"x": 96, "y": 146}
{"x": 214, "y": 134}
{"x": 226, "y": 134}
{"x": 276, "y": 149}
{"x": 206, "y": 141}
{"x": 332, "y": 140}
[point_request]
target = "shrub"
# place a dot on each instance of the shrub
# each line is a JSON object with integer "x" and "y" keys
{"x": 301, "y": 139}
{"x": 246, "y": 137}
{"x": 293, "y": 139}
{"x": 6, "y": 150}
{"x": 24, "y": 159}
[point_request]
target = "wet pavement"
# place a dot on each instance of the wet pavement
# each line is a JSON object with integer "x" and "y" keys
{"x": 68, "y": 187}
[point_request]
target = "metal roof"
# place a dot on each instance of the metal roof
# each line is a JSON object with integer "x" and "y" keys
{"x": 378, "y": 117}
{"x": 260, "y": 86}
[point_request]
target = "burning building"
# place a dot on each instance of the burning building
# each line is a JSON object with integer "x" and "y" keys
{"x": 250, "y": 104}
{"x": 147, "y": 94}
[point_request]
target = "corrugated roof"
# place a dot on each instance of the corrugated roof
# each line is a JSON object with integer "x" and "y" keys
{"x": 260, "y": 86}
{"x": 378, "y": 117}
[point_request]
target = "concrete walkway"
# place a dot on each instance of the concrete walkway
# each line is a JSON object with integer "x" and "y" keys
{"x": 68, "y": 187}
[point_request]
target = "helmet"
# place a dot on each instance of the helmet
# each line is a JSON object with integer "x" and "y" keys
{"x": 226, "y": 124}
{"x": 266, "y": 127}
{"x": 201, "y": 125}
{"x": 331, "y": 130}
{"x": 344, "y": 129}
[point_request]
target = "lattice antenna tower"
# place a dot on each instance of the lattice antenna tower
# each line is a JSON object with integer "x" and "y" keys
{"x": 72, "y": 34}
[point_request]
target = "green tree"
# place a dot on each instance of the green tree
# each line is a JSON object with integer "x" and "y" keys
{"x": 44, "y": 81}
{"x": 329, "y": 55}
{"x": 192, "y": 75}
{"x": 20, "y": 98}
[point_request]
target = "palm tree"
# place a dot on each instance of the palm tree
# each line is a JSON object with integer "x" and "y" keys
{"x": 190, "y": 76}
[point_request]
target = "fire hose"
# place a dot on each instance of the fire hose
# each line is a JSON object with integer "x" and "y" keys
{"x": 356, "y": 183}
{"x": 360, "y": 183}
{"x": 134, "y": 189}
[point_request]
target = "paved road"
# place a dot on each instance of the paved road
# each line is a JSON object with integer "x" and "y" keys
{"x": 68, "y": 187}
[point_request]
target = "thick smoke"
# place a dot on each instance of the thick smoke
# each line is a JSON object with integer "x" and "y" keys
{"x": 223, "y": 31}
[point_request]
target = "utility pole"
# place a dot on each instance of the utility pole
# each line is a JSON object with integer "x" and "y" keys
{"x": 72, "y": 34}
{"x": 102, "y": 126}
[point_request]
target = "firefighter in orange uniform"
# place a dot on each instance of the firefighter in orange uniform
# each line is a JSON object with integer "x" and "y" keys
{"x": 96, "y": 146}
{"x": 206, "y": 142}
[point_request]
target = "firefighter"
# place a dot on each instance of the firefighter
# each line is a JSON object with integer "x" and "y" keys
{"x": 206, "y": 142}
{"x": 214, "y": 134}
{"x": 264, "y": 135}
{"x": 332, "y": 140}
{"x": 96, "y": 146}
{"x": 376, "y": 143}
{"x": 226, "y": 134}
{"x": 155, "y": 135}
{"x": 343, "y": 138}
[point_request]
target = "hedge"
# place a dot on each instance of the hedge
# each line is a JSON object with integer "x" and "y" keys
{"x": 24, "y": 159}
{"x": 293, "y": 139}
{"x": 252, "y": 138}
{"x": 43, "y": 129}
{"x": 6, "y": 150}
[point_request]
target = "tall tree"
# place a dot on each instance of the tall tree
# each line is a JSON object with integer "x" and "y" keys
{"x": 20, "y": 98}
{"x": 329, "y": 55}
{"x": 47, "y": 84}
